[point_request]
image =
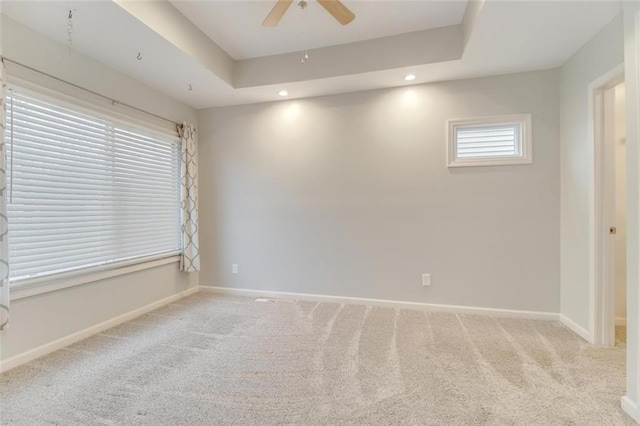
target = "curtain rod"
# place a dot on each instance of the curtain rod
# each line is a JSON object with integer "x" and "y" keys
{"x": 113, "y": 101}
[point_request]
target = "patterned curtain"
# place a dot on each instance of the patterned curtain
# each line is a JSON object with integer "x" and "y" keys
{"x": 190, "y": 261}
{"x": 4, "y": 245}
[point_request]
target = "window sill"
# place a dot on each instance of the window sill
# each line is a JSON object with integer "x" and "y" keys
{"x": 22, "y": 291}
{"x": 511, "y": 161}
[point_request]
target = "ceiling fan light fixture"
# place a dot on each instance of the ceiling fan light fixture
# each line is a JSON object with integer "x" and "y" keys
{"x": 339, "y": 11}
{"x": 410, "y": 77}
{"x": 283, "y": 93}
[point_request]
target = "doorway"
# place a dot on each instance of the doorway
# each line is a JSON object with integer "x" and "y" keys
{"x": 609, "y": 242}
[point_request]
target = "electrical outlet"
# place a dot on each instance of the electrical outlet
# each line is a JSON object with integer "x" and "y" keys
{"x": 234, "y": 268}
{"x": 426, "y": 280}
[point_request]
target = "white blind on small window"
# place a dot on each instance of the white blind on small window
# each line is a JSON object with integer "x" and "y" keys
{"x": 487, "y": 141}
{"x": 86, "y": 191}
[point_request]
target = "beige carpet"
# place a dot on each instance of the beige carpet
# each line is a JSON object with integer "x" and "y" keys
{"x": 621, "y": 336}
{"x": 217, "y": 360}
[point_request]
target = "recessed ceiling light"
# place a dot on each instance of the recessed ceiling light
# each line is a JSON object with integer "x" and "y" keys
{"x": 283, "y": 93}
{"x": 409, "y": 77}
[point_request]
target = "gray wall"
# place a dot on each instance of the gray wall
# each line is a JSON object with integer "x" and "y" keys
{"x": 349, "y": 195}
{"x": 42, "y": 319}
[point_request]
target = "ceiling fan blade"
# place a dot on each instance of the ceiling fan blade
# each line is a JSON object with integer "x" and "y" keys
{"x": 276, "y": 13}
{"x": 338, "y": 11}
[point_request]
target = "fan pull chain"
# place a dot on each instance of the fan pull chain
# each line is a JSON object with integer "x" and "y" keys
{"x": 305, "y": 30}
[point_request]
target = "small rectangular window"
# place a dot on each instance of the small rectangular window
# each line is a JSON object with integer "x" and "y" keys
{"x": 489, "y": 141}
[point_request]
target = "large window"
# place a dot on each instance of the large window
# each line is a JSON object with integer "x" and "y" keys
{"x": 85, "y": 190}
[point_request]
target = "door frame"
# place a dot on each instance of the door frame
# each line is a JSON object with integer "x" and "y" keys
{"x": 602, "y": 210}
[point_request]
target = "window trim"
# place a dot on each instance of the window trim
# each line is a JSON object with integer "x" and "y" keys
{"x": 526, "y": 145}
{"x": 49, "y": 283}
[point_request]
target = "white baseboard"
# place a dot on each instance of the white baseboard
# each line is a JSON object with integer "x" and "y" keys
{"x": 629, "y": 407}
{"x": 382, "y": 302}
{"x": 573, "y": 326}
{"x": 87, "y": 332}
{"x": 621, "y": 321}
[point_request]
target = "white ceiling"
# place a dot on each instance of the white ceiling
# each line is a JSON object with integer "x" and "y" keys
{"x": 236, "y": 26}
{"x": 536, "y": 34}
{"x": 508, "y": 36}
{"x": 106, "y": 32}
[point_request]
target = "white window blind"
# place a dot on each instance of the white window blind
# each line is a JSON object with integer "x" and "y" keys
{"x": 84, "y": 190}
{"x": 490, "y": 141}
{"x": 487, "y": 141}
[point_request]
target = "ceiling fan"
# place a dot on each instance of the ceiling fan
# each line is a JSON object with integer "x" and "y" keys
{"x": 335, "y": 8}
